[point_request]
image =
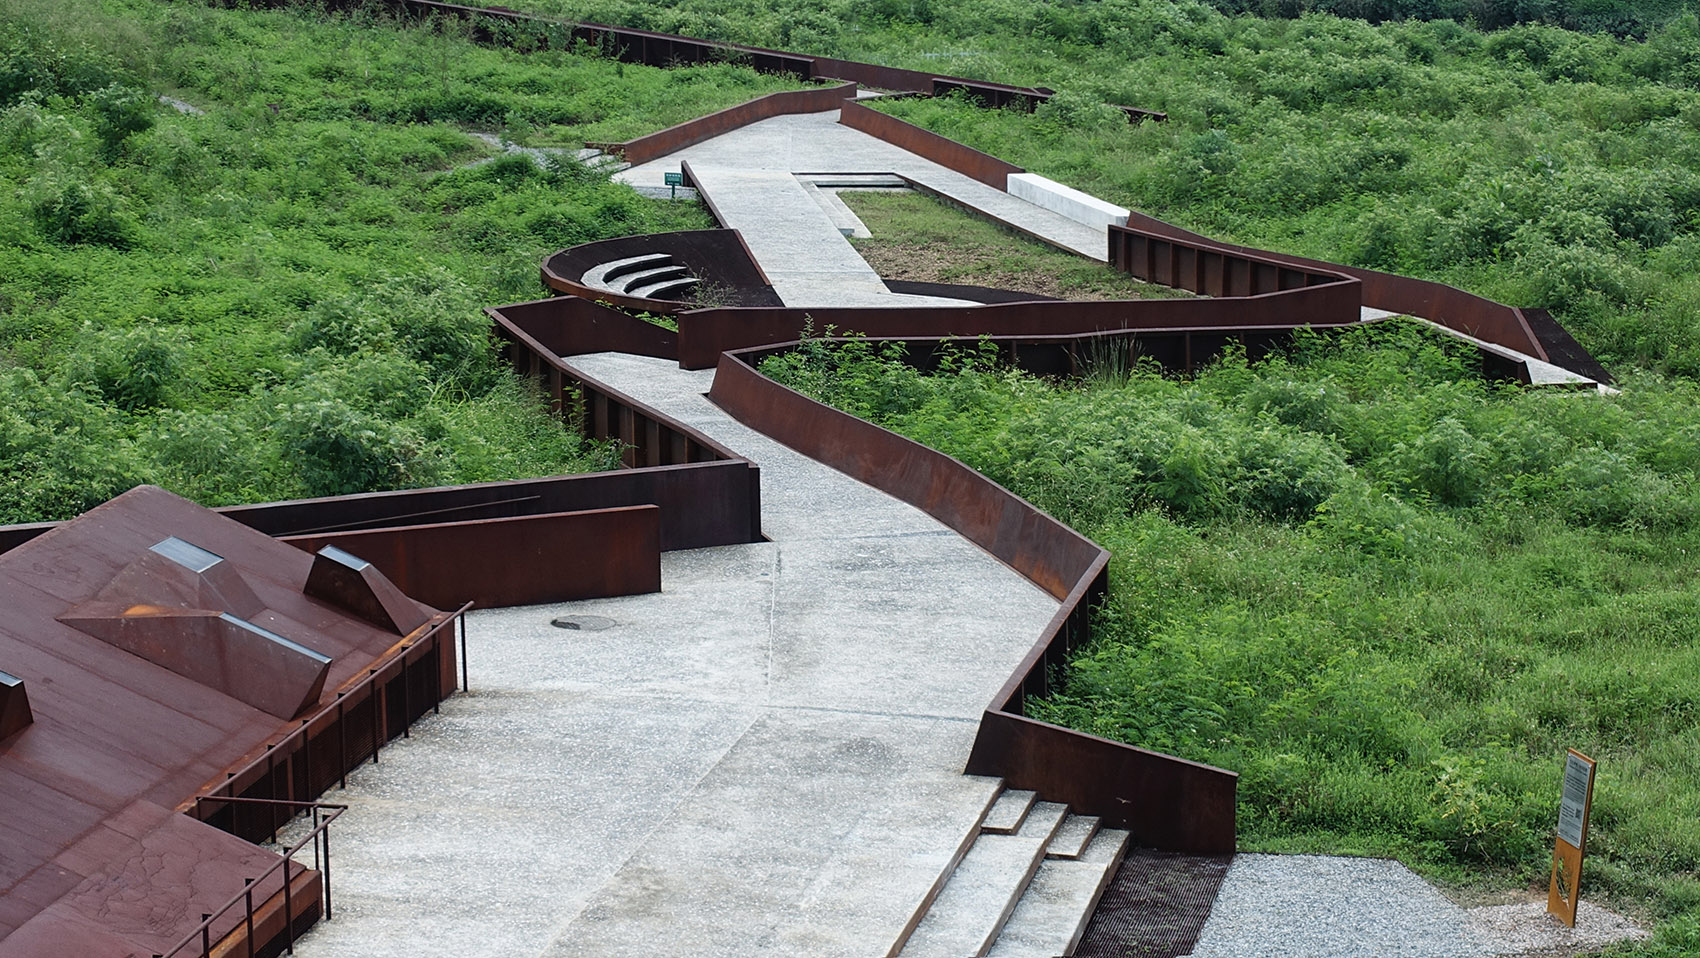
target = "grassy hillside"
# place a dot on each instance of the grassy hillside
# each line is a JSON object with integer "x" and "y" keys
{"x": 1386, "y": 592}
{"x": 1534, "y": 165}
{"x": 280, "y": 297}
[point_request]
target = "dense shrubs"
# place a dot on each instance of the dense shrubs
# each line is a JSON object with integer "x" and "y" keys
{"x": 282, "y": 297}
{"x": 1387, "y": 592}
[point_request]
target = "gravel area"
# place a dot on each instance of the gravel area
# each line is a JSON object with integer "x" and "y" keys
{"x": 1312, "y": 906}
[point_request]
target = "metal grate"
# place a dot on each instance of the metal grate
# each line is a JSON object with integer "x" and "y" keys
{"x": 1155, "y": 907}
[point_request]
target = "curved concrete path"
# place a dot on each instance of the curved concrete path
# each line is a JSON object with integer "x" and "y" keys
{"x": 763, "y": 759}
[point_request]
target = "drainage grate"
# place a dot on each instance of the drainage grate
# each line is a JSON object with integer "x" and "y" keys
{"x": 1155, "y": 907}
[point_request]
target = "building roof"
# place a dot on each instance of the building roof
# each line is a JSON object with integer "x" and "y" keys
{"x": 151, "y": 645}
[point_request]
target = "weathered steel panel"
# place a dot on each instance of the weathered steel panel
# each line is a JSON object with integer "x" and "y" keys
{"x": 527, "y": 560}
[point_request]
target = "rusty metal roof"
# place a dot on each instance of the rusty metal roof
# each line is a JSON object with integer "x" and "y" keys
{"x": 129, "y": 713}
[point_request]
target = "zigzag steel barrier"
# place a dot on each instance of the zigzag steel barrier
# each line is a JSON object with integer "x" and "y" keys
{"x": 1166, "y": 802}
{"x": 944, "y": 151}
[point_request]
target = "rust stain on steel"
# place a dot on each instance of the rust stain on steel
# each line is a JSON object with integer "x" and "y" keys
{"x": 520, "y": 561}
{"x": 92, "y": 853}
{"x": 946, "y": 152}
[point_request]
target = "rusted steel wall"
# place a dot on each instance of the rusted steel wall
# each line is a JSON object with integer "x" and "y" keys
{"x": 984, "y": 167}
{"x": 571, "y": 325}
{"x": 1467, "y": 313}
{"x": 675, "y": 138}
{"x": 1169, "y": 802}
{"x": 648, "y": 438}
{"x": 1209, "y": 268}
{"x": 318, "y": 751}
{"x": 718, "y": 257}
{"x": 557, "y": 557}
{"x": 705, "y": 334}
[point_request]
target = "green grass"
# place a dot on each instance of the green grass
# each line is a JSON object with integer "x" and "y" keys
{"x": 922, "y": 238}
{"x": 282, "y": 297}
{"x": 1386, "y": 592}
{"x": 1533, "y": 165}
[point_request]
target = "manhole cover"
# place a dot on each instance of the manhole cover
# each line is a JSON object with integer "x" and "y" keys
{"x": 584, "y": 623}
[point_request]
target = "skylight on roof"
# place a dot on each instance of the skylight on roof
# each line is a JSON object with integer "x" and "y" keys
{"x": 186, "y": 554}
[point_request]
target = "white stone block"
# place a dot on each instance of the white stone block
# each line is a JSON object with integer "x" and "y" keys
{"x": 1070, "y": 202}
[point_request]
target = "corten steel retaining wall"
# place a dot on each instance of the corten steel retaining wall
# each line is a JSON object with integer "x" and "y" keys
{"x": 946, "y": 152}
{"x": 681, "y": 492}
{"x": 717, "y": 256}
{"x": 675, "y": 138}
{"x": 539, "y": 333}
{"x": 1454, "y": 308}
{"x": 1167, "y": 802}
{"x": 705, "y": 334}
{"x": 560, "y": 557}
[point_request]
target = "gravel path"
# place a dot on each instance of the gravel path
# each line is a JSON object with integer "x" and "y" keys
{"x": 1312, "y": 906}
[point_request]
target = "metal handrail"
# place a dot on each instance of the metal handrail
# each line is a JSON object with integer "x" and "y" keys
{"x": 373, "y": 679}
{"x": 319, "y": 835}
{"x": 321, "y": 839}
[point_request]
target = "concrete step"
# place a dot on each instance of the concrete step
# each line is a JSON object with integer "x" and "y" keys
{"x": 1053, "y": 915}
{"x": 603, "y": 276}
{"x": 633, "y": 281}
{"x": 1073, "y": 837}
{"x": 667, "y": 289}
{"x": 985, "y": 888}
{"x": 1011, "y": 810}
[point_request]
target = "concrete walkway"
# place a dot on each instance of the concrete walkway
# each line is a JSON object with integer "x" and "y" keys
{"x": 794, "y": 238}
{"x": 764, "y": 759}
{"x": 818, "y": 143}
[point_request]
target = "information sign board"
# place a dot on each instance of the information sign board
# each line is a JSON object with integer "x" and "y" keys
{"x": 1575, "y": 802}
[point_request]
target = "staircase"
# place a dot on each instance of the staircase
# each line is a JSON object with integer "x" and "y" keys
{"x": 651, "y": 276}
{"x": 1024, "y": 888}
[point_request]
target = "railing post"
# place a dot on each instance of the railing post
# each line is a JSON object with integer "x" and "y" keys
{"x": 342, "y": 741}
{"x": 206, "y": 934}
{"x": 460, "y": 626}
{"x": 288, "y": 910}
{"x": 372, "y": 688}
{"x": 325, "y": 836}
{"x": 307, "y": 756}
{"x": 406, "y": 699}
{"x": 248, "y": 898}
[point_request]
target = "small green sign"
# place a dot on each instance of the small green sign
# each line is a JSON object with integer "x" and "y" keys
{"x": 673, "y": 179}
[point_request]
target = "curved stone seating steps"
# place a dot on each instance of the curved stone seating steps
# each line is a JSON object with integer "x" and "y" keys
{"x": 652, "y": 276}
{"x": 1025, "y": 886}
{"x": 673, "y": 289}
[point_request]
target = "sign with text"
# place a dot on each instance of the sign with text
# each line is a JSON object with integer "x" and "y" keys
{"x": 672, "y": 179}
{"x": 1574, "y": 804}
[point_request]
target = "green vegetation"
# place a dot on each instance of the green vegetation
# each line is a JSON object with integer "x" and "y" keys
{"x": 922, "y": 238}
{"x": 1385, "y": 591}
{"x": 1534, "y": 165}
{"x": 282, "y": 297}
